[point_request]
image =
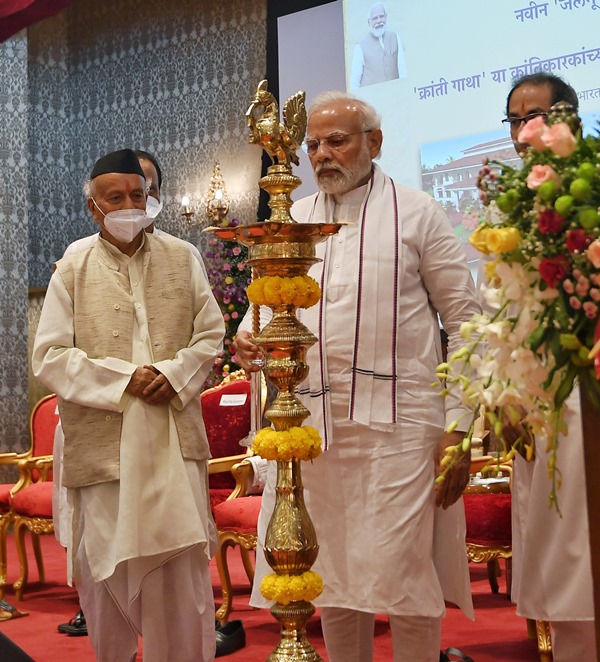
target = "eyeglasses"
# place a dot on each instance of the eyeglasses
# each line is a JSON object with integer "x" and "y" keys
{"x": 335, "y": 141}
{"x": 512, "y": 123}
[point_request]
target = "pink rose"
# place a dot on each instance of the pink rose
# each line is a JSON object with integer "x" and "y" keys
{"x": 593, "y": 254}
{"x": 559, "y": 139}
{"x": 540, "y": 174}
{"x": 532, "y": 132}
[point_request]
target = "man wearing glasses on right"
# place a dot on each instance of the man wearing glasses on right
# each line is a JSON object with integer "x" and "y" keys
{"x": 552, "y": 577}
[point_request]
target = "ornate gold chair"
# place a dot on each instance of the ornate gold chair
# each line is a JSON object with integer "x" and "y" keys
{"x": 236, "y": 515}
{"x": 489, "y": 538}
{"x": 488, "y": 515}
{"x": 32, "y": 493}
{"x": 237, "y": 521}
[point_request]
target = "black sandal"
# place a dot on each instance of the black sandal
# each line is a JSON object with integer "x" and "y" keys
{"x": 454, "y": 655}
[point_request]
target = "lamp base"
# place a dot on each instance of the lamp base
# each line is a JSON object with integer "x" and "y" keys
{"x": 293, "y": 646}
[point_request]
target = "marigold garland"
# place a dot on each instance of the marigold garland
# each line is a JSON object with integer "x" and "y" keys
{"x": 294, "y": 444}
{"x": 299, "y": 291}
{"x": 292, "y": 588}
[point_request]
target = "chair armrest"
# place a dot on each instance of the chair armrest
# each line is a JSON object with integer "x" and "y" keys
{"x": 218, "y": 465}
{"x": 42, "y": 464}
{"x": 13, "y": 458}
{"x": 243, "y": 472}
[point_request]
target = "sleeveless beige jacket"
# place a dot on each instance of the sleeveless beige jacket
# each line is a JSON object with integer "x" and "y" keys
{"x": 103, "y": 318}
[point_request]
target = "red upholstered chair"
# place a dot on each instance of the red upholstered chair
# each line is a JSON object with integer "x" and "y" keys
{"x": 226, "y": 414}
{"x": 42, "y": 424}
{"x": 32, "y": 511}
{"x": 227, "y": 420}
{"x": 488, "y": 515}
{"x": 236, "y": 520}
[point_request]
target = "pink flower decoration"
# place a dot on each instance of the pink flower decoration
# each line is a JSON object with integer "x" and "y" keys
{"x": 568, "y": 286}
{"x": 593, "y": 254}
{"x": 559, "y": 139}
{"x": 540, "y": 174}
{"x": 591, "y": 309}
{"x": 582, "y": 287}
{"x": 532, "y": 132}
{"x": 575, "y": 303}
{"x": 595, "y": 294}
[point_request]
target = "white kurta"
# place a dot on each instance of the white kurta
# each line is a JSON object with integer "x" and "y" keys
{"x": 371, "y": 494}
{"x": 153, "y": 509}
{"x": 62, "y": 510}
{"x": 552, "y": 553}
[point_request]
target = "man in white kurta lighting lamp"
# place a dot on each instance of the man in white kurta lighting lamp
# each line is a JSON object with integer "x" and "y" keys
{"x": 385, "y": 277}
{"x": 552, "y": 573}
{"x": 127, "y": 335}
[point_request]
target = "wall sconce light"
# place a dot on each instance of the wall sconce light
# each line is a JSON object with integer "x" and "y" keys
{"x": 187, "y": 212}
{"x": 217, "y": 204}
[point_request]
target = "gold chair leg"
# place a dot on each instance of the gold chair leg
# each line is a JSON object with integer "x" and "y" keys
{"x": 248, "y": 565}
{"x": 544, "y": 641}
{"x": 222, "y": 613}
{"x": 19, "y": 531}
{"x": 4, "y": 522}
{"x": 37, "y": 550}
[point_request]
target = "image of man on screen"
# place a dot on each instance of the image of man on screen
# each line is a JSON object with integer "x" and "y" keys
{"x": 378, "y": 57}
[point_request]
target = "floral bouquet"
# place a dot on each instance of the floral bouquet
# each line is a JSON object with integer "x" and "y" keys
{"x": 541, "y": 332}
{"x": 229, "y": 278}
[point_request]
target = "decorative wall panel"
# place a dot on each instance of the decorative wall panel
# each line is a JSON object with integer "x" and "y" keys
{"x": 13, "y": 246}
{"x": 172, "y": 78}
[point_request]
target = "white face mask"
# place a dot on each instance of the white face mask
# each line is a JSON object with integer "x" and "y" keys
{"x": 125, "y": 224}
{"x": 153, "y": 207}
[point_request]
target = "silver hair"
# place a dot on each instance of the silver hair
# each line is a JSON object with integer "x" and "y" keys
{"x": 372, "y": 7}
{"x": 369, "y": 117}
{"x": 88, "y": 187}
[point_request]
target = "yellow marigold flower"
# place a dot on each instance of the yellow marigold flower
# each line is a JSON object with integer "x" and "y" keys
{"x": 292, "y": 588}
{"x": 272, "y": 289}
{"x": 503, "y": 240}
{"x": 479, "y": 240}
{"x": 298, "y": 443}
{"x": 255, "y": 292}
{"x": 229, "y": 280}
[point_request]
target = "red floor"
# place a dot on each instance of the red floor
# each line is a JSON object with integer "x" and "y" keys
{"x": 496, "y": 635}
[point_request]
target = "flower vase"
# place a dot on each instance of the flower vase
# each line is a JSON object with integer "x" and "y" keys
{"x": 590, "y": 421}
{"x": 291, "y": 548}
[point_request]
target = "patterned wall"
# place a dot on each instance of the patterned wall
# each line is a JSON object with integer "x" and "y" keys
{"x": 174, "y": 78}
{"x": 13, "y": 246}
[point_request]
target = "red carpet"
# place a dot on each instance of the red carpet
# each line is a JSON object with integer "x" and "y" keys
{"x": 496, "y": 635}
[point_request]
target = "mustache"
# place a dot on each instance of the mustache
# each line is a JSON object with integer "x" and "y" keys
{"x": 324, "y": 167}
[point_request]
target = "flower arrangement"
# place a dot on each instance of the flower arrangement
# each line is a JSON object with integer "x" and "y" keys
{"x": 541, "y": 231}
{"x": 297, "y": 443}
{"x": 227, "y": 273}
{"x": 292, "y": 588}
{"x": 299, "y": 291}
